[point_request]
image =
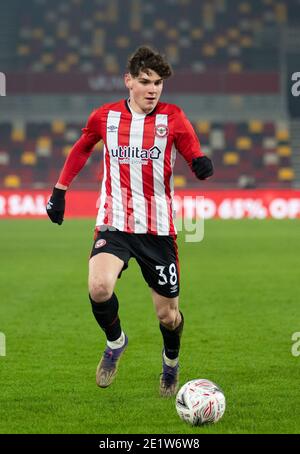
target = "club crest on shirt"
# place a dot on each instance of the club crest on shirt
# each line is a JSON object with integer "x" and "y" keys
{"x": 100, "y": 243}
{"x": 161, "y": 130}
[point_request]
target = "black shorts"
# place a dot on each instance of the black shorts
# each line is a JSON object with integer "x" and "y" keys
{"x": 156, "y": 255}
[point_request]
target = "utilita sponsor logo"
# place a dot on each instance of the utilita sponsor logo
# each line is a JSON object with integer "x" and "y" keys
{"x": 135, "y": 154}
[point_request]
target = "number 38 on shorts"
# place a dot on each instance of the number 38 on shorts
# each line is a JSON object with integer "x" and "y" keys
{"x": 167, "y": 276}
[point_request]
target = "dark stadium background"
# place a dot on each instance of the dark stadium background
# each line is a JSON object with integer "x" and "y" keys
{"x": 234, "y": 62}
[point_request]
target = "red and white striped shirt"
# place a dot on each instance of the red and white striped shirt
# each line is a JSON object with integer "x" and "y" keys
{"x": 139, "y": 156}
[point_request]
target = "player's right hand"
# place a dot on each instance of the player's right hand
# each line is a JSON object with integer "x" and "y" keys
{"x": 56, "y": 206}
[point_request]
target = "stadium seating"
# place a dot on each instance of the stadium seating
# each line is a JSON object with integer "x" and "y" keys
{"x": 97, "y": 35}
{"x": 253, "y": 154}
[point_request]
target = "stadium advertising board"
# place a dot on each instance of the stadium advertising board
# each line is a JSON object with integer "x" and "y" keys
{"x": 233, "y": 204}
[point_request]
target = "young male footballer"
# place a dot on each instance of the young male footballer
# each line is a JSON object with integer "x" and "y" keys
{"x": 141, "y": 136}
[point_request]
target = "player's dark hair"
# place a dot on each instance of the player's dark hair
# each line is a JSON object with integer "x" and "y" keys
{"x": 145, "y": 58}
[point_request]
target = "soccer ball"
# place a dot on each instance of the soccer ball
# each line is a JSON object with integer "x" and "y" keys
{"x": 200, "y": 401}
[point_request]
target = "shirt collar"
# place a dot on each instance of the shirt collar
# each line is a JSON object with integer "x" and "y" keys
{"x": 127, "y": 104}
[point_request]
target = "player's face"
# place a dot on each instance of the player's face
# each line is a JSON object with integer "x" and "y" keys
{"x": 144, "y": 91}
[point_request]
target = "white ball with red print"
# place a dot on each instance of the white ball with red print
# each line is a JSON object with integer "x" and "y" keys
{"x": 200, "y": 402}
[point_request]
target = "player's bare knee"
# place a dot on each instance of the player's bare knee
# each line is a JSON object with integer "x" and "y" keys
{"x": 100, "y": 292}
{"x": 168, "y": 319}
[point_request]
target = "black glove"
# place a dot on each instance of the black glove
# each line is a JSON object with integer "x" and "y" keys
{"x": 202, "y": 167}
{"x": 56, "y": 206}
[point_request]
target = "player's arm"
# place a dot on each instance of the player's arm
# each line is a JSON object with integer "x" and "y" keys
{"x": 188, "y": 145}
{"x": 75, "y": 161}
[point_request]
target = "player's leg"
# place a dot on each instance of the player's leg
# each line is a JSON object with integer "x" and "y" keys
{"x": 105, "y": 266}
{"x": 171, "y": 325}
{"x": 104, "y": 270}
{"x": 158, "y": 259}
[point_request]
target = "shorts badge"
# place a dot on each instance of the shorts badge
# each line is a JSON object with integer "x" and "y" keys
{"x": 100, "y": 243}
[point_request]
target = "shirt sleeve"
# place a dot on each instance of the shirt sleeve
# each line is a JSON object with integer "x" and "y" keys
{"x": 81, "y": 150}
{"x": 186, "y": 140}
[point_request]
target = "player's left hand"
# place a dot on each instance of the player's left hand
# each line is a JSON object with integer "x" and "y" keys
{"x": 202, "y": 167}
{"x": 56, "y": 206}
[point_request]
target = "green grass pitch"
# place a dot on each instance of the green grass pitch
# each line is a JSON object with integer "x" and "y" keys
{"x": 240, "y": 294}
